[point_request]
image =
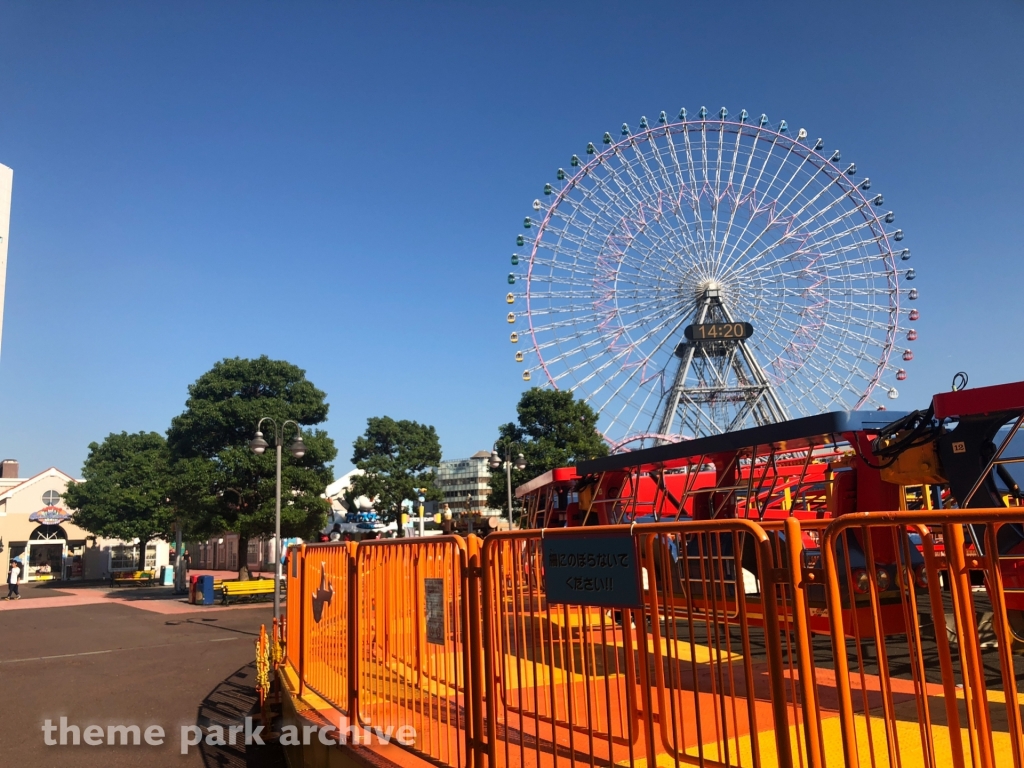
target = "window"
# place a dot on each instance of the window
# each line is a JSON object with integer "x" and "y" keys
{"x": 125, "y": 557}
{"x": 51, "y": 498}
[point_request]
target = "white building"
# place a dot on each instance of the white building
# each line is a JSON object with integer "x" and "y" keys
{"x": 459, "y": 478}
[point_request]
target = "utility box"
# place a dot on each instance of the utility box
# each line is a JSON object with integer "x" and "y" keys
{"x": 166, "y": 576}
{"x": 204, "y": 590}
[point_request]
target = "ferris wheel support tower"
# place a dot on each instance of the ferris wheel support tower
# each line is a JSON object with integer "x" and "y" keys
{"x": 719, "y": 384}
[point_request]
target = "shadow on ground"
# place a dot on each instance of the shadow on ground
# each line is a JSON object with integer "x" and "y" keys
{"x": 229, "y": 704}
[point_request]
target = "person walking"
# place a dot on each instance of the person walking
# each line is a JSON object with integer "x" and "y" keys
{"x": 12, "y": 582}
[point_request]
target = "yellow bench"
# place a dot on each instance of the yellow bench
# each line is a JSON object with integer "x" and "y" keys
{"x": 132, "y": 577}
{"x": 254, "y": 588}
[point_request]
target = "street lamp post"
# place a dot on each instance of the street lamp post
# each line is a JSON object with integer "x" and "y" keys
{"x": 496, "y": 461}
{"x": 297, "y": 449}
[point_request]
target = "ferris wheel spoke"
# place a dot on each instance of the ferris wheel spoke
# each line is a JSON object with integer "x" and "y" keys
{"x": 603, "y": 336}
{"x": 603, "y": 306}
{"x": 715, "y": 190}
{"x": 596, "y": 272}
{"x": 696, "y": 194}
{"x": 656, "y": 208}
{"x": 793, "y": 232}
{"x": 641, "y": 328}
{"x": 788, "y": 233}
{"x": 778, "y": 170}
{"x": 686, "y": 241}
{"x": 817, "y": 243}
{"x": 607, "y": 228}
{"x": 809, "y": 235}
{"x": 683, "y": 183}
{"x": 603, "y": 223}
{"x": 768, "y": 156}
{"x": 773, "y": 223}
{"x": 591, "y": 326}
{"x": 733, "y": 209}
{"x": 836, "y": 258}
{"x": 671, "y": 187}
{"x": 628, "y": 349}
{"x": 639, "y": 412}
{"x": 639, "y": 367}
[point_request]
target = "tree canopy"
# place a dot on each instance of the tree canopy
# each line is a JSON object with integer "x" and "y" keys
{"x": 397, "y": 457}
{"x": 125, "y": 493}
{"x": 553, "y": 430}
{"x": 209, "y": 443}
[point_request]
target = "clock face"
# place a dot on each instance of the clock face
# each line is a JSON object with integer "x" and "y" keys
{"x": 719, "y": 331}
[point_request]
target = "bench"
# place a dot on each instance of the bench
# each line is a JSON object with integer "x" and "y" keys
{"x": 255, "y": 589}
{"x": 127, "y": 578}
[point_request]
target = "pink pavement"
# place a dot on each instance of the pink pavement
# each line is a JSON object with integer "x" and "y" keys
{"x": 163, "y": 603}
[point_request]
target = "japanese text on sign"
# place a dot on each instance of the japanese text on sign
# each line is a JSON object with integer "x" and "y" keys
{"x": 433, "y": 590}
{"x": 591, "y": 570}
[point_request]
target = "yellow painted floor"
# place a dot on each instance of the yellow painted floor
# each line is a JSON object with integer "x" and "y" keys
{"x": 871, "y": 750}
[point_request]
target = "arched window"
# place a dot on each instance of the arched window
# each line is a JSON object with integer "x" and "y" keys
{"x": 47, "y": 533}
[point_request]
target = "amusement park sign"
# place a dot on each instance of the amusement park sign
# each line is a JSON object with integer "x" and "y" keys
{"x": 50, "y": 516}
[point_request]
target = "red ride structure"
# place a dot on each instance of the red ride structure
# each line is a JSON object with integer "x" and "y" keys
{"x": 955, "y": 453}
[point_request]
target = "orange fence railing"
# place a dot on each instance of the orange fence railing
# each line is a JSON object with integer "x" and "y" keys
{"x": 325, "y": 626}
{"x": 882, "y": 639}
{"x": 922, "y": 640}
{"x": 687, "y": 675}
{"x": 411, "y": 648}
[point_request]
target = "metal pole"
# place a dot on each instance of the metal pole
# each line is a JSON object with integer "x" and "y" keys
{"x": 277, "y": 535}
{"x": 508, "y": 483}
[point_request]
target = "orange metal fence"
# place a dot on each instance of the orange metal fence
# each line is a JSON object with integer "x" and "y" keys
{"x": 293, "y": 618}
{"x": 878, "y": 639}
{"x": 685, "y": 676}
{"x": 922, "y": 640}
{"x": 411, "y": 650}
{"x": 325, "y": 628}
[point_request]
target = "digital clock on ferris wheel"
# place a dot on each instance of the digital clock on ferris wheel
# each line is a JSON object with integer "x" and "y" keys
{"x": 719, "y": 332}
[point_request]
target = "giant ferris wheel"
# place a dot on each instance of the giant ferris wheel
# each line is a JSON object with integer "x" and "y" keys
{"x": 708, "y": 273}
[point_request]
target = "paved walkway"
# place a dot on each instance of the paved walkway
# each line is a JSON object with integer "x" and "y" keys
{"x": 153, "y": 599}
{"x": 109, "y": 665}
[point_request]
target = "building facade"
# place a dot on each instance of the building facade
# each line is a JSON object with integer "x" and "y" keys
{"x": 37, "y": 529}
{"x": 458, "y": 479}
{"x": 220, "y": 553}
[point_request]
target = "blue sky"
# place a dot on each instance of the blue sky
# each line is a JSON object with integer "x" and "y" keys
{"x": 340, "y": 184}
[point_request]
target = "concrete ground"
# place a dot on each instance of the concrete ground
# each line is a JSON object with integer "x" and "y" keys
{"x": 131, "y": 657}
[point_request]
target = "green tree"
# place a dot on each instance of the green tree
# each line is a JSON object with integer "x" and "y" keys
{"x": 124, "y": 496}
{"x": 398, "y": 457}
{"x": 553, "y": 430}
{"x": 213, "y": 434}
{"x": 190, "y": 494}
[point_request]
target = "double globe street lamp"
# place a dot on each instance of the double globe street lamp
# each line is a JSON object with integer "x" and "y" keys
{"x": 496, "y": 462}
{"x": 297, "y": 449}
